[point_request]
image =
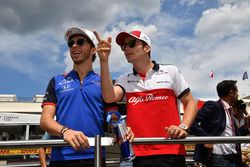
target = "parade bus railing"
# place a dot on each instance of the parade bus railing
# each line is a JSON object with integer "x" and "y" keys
{"x": 98, "y": 142}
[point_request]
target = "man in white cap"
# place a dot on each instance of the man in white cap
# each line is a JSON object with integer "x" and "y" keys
{"x": 76, "y": 101}
{"x": 151, "y": 92}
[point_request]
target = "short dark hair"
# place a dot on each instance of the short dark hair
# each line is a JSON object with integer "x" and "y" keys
{"x": 224, "y": 87}
{"x": 240, "y": 104}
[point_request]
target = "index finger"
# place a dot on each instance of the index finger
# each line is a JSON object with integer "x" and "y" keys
{"x": 97, "y": 35}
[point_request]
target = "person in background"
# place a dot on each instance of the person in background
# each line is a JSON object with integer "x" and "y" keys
{"x": 241, "y": 118}
{"x": 42, "y": 152}
{"x": 151, "y": 92}
{"x": 215, "y": 119}
{"x": 76, "y": 101}
{"x": 240, "y": 113}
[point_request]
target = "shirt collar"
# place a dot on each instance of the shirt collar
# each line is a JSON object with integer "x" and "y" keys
{"x": 225, "y": 104}
{"x": 155, "y": 67}
{"x": 74, "y": 74}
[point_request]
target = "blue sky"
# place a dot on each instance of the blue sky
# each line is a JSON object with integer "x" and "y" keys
{"x": 196, "y": 35}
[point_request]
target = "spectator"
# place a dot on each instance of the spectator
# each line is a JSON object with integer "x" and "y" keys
{"x": 240, "y": 113}
{"x": 215, "y": 119}
{"x": 42, "y": 152}
{"x": 241, "y": 118}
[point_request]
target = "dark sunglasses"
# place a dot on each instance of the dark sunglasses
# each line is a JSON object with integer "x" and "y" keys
{"x": 79, "y": 42}
{"x": 130, "y": 43}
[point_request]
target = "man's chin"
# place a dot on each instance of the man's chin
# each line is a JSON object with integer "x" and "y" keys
{"x": 129, "y": 60}
{"x": 77, "y": 61}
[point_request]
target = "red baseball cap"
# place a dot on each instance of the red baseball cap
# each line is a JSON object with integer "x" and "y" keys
{"x": 120, "y": 38}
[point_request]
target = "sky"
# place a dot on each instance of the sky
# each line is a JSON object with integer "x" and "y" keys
{"x": 198, "y": 36}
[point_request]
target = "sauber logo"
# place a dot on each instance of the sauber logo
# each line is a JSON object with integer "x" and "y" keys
{"x": 149, "y": 97}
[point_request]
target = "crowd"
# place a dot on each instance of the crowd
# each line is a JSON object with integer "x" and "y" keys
{"x": 81, "y": 99}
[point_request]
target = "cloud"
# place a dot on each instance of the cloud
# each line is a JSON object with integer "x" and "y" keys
{"x": 36, "y": 28}
{"x": 33, "y": 16}
{"x": 221, "y": 43}
{"x": 68, "y": 62}
{"x": 28, "y": 54}
{"x": 231, "y": 1}
{"x": 228, "y": 60}
{"x": 191, "y": 2}
{"x": 223, "y": 22}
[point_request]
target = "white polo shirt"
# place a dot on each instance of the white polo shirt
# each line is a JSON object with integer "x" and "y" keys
{"x": 152, "y": 105}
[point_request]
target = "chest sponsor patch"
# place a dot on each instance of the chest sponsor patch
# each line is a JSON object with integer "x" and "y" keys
{"x": 149, "y": 97}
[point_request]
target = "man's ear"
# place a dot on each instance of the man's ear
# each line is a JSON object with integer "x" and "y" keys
{"x": 147, "y": 48}
{"x": 232, "y": 92}
{"x": 93, "y": 50}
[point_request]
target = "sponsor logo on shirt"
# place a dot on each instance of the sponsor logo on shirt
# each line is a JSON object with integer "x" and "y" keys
{"x": 98, "y": 83}
{"x": 66, "y": 81}
{"x": 65, "y": 84}
{"x": 131, "y": 81}
{"x": 150, "y": 97}
{"x": 161, "y": 72}
{"x": 163, "y": 82}
{"x": 66, "y": 88}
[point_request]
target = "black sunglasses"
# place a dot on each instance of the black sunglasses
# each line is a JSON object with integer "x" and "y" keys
{"x": 131, "y": 44}
{"x": 79, "y": 42}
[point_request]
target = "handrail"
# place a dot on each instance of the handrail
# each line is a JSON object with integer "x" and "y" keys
{"x": 194, "y": 140}
{"x": 108, "y": 141}
{"x": 98, "y": 151}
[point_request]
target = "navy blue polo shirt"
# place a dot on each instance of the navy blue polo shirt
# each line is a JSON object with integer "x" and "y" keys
{"x": 79, "y": 107}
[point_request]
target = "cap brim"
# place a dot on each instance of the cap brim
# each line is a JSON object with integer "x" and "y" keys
{"x": 74, "y": 31}
{"x": 120, "y": 38}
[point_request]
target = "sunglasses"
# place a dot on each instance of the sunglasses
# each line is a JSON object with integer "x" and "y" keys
{"x": 131, "y": 44}
{"x": 79, "y": 42}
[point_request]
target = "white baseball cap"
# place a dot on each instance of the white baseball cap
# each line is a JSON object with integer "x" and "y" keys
{"x": 81, "y": 31}
{"x": 120, "y": 38}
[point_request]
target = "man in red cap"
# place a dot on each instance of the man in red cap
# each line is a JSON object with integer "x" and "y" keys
{"x": 151, "y": 92}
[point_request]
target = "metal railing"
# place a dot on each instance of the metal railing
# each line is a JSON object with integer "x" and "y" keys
{"x": 106, "y": 141}
{"x": 98, "y": 142}
{"x": 98, "y": 151}
{"x": 109, "y": 141}
{"x": 194, "y": 140}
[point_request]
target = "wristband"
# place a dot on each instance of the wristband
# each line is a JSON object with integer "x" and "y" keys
{"x": 64, "y": 129}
